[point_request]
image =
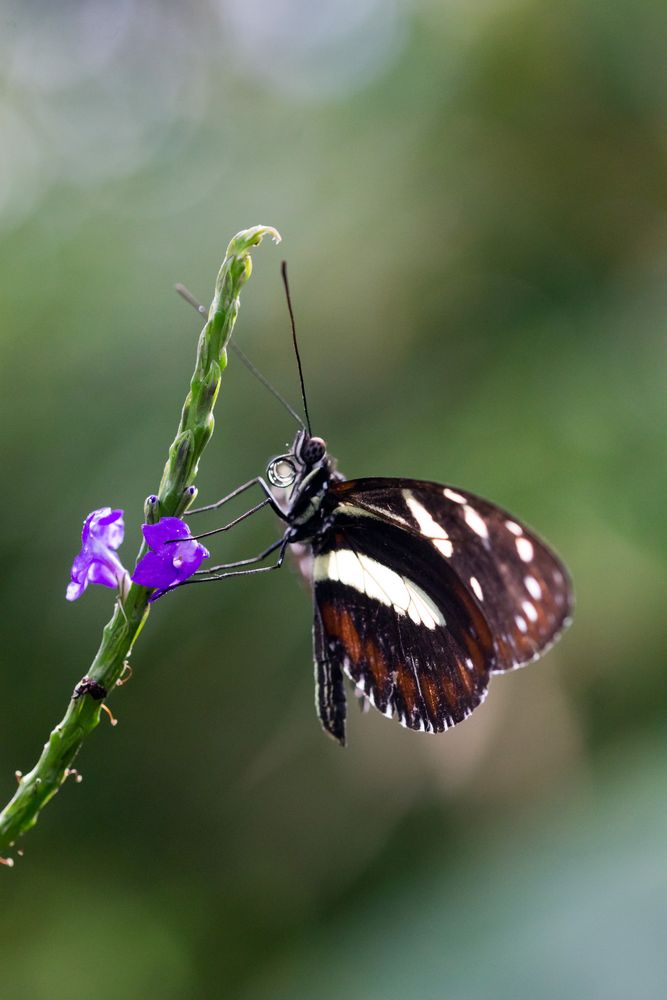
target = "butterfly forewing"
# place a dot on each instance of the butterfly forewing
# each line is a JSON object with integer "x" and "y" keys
{"x": 521, "y": 587}
{"x": 398, "y": 620}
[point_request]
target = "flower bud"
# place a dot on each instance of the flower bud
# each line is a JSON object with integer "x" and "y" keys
{"x": 211, "y": 384}
{"x": 152, "y": 509}
{"x": 181, "y": 454}
{"x": 189, "y": 496}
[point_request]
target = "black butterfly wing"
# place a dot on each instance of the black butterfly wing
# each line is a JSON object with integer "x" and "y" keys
{"x": 395, "y": 617}
{"x": 330, "y": 701}
{"x": 520, "y": 585}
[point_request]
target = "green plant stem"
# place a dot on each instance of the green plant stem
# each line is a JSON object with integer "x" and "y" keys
{"x": 175, "y": 494}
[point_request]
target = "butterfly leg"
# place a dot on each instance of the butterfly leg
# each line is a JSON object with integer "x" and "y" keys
{"x": 237, "y": 572}
{"x": 232, "y": 524}
{"x": 241, "y": 562}
{"x": 257, "y": 481}
{"x": 242, "y": 572}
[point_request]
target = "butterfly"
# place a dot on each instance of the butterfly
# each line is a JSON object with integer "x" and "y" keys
{"x": 421, "y": 591}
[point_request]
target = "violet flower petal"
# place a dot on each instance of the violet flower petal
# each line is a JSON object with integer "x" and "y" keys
{"x": 166, "y": 529}
{"x": 100, "y": 573}
{"x": 85, "y": 533}
{"x": 175, "y": 556}
{"x": 75, "y": 590}
{"x": 189, "y": 557}
{"x": 154, "y": 570}
{"x": 97, "y": 562}
{"x": 111, "y": 529}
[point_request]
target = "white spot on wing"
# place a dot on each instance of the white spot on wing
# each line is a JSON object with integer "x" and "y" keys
{"x": 474, "y": 521}
{"x": 475, "y": 584}
{"x": 428, "y": 526}
{"x": 521, "y": 623}
{"x": 524, "y": 547}
{"x": 451, "y": 495}
{"x": 533, "y": 587}
{"x": 529, "y": 611}
{"x": 515, "y": 528}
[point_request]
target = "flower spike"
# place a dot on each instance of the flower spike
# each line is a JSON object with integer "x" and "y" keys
{"x": 98, "y": 562}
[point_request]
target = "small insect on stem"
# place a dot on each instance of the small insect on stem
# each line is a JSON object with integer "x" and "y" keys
{"x": 97, "y": 691}
{"x": 87, "y": 685}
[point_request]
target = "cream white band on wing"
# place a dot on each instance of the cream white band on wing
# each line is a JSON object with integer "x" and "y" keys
{"x": 380, "y": 583}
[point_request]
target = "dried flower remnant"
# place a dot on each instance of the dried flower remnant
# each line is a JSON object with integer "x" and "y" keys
{"x": 97, "y": 562}
{"x": 176, "y": 556}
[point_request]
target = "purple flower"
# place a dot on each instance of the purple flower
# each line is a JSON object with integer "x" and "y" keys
{"x": 175, "y": 556}
{"x": 97, "y": 561}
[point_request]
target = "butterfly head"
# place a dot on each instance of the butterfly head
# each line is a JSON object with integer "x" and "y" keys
{"x": 304, "y": 474}
{"x": 307, "y": 455}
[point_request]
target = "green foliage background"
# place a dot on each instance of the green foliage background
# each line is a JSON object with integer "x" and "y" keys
{"x": 473, "y": 204}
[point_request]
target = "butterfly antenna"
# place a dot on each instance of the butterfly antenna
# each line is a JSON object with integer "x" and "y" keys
{"x": 190, "y": 299}
{"x": 283, "y": 271}
{"x": 242, "y": 356}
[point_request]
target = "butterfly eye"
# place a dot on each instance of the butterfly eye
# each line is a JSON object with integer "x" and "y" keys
{"x": 281, "y": 471}
{"x": 312, "y": 450}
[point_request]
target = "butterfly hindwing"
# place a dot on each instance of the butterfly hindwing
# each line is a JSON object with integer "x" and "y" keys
{"x": 329, "y": 683}
{"x": 519, "y": 584}
{"x": 396, "y": 618}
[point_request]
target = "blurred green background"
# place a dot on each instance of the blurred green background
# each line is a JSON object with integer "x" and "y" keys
{"x": 472, "y": 197}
